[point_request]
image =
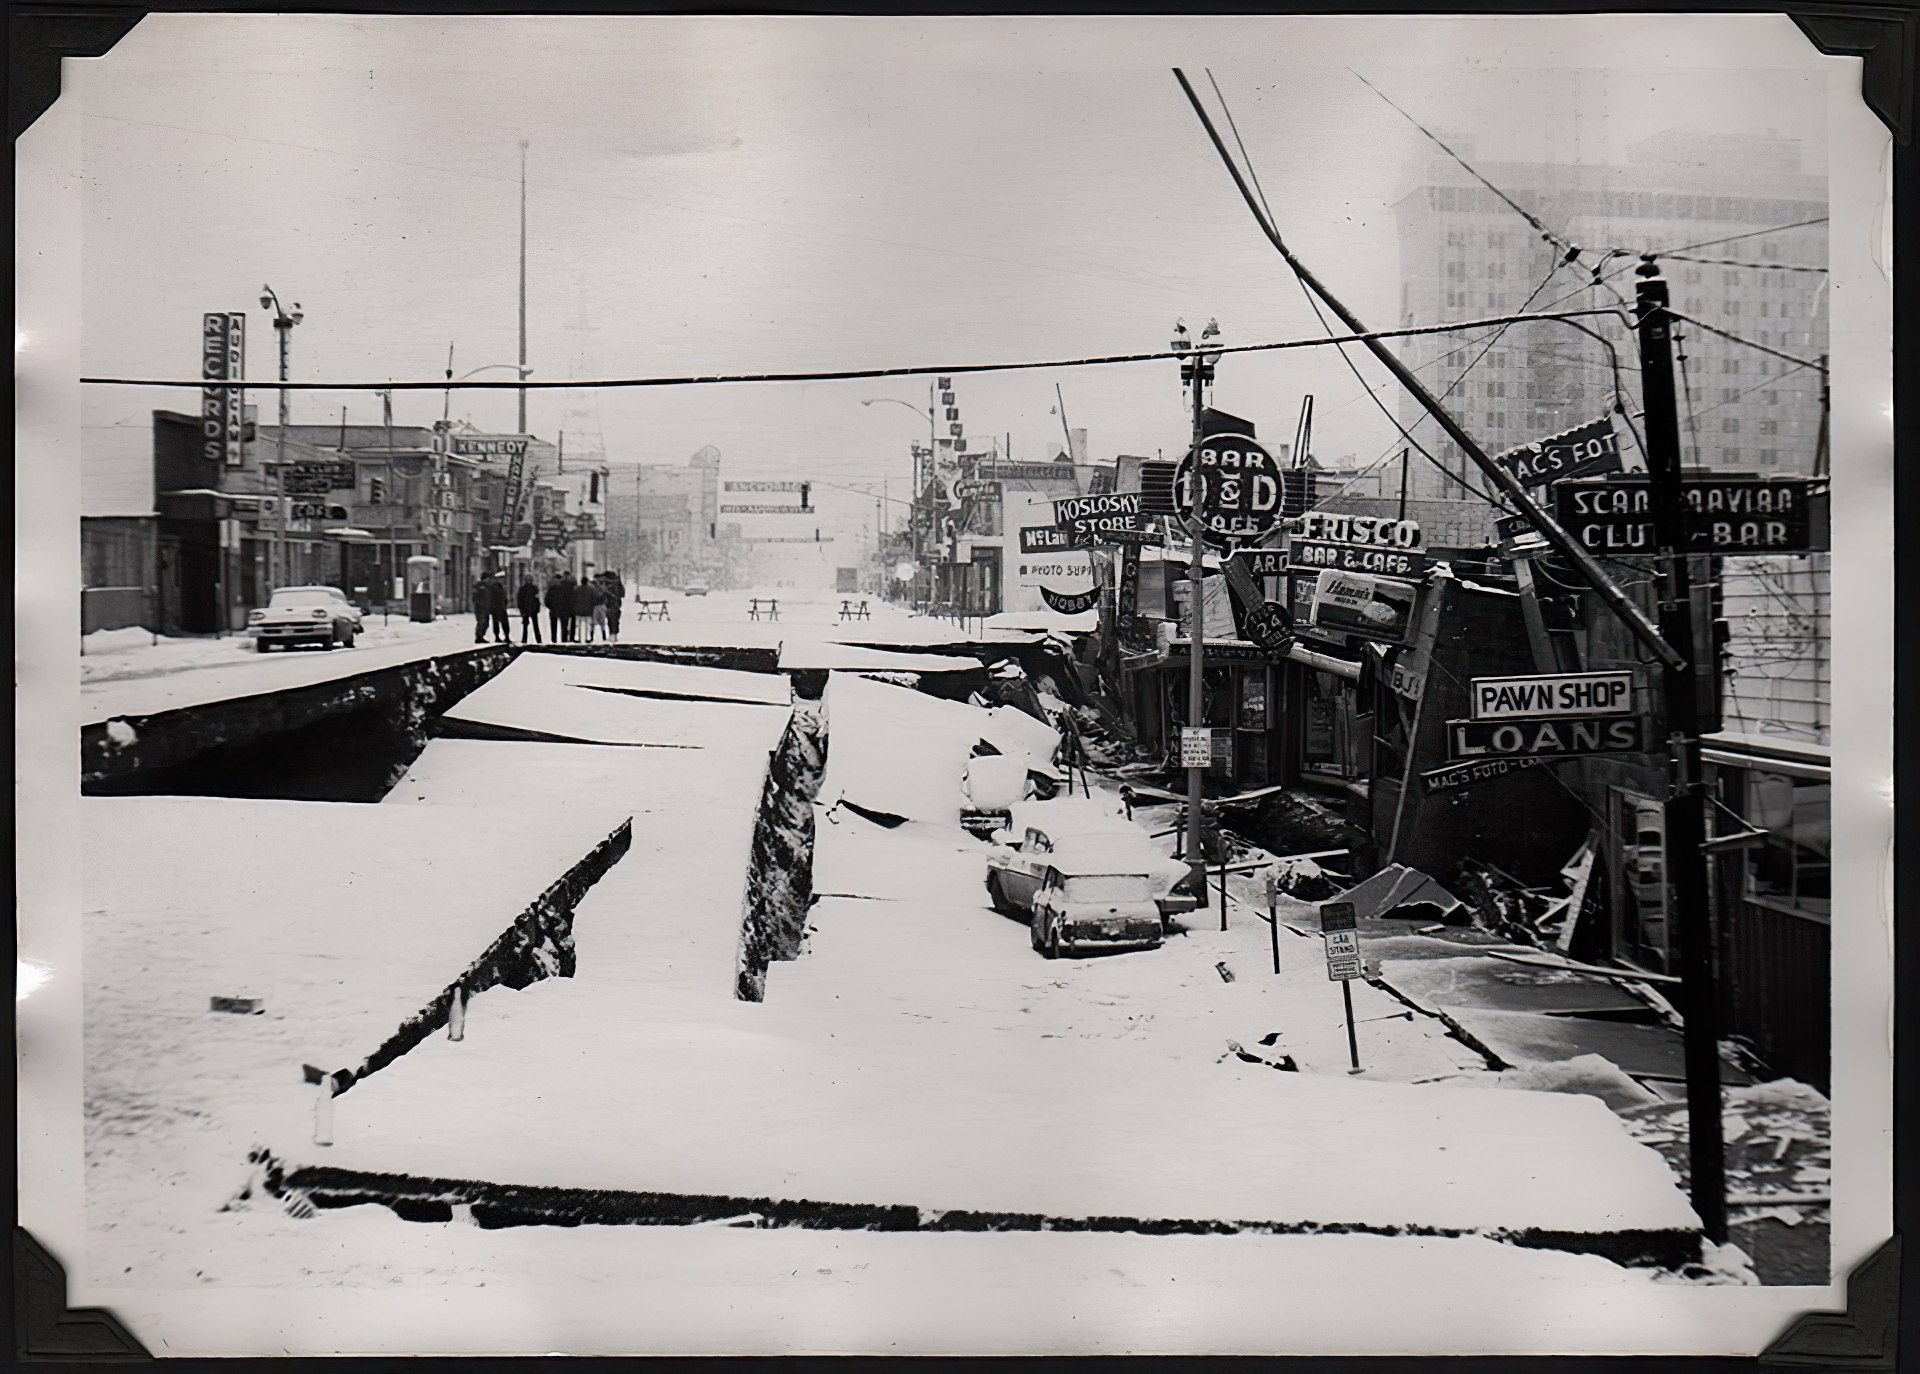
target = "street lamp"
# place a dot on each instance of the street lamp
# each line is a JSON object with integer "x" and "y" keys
{"x": 283, "y": 323}
{"x": 913, "y": 508}
{"x": 446, "y": 408}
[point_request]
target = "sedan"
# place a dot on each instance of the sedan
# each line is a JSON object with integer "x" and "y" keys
{"x": 1078, "y": 913}
{"x": 305, "y": 615}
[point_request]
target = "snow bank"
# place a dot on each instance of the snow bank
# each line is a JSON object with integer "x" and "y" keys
{"x": 535, "y": 697}
{"x": 664, "y": 679}
{"x": 853, "y": 857}
{"x": 905, "y": 754}
{"x": 921, "y": 1118}
{"x": 113, "y": 641}
{"x": 813, "y": 655}
{"x": 1082, "y": 623}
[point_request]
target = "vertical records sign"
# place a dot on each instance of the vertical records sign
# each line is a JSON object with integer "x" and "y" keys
{"x": 223, "y": 357}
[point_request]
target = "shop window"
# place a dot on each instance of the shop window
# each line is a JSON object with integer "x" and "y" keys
{"x": 1252, "y": 712}
{"x": 1789, "y": 870}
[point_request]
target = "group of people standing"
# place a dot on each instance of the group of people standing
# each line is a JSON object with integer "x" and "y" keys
{"x": 578, "y": 609}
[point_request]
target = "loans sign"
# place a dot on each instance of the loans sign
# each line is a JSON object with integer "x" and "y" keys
{"x": 1544, "y": 739}
{"x": 1578, "y": 452}
{"x": 1724, "y": 514}
{"x": 1552, "y": 695}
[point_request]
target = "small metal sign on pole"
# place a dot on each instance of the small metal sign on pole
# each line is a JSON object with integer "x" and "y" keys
{"x": 1339, "y": 927}
{"x": 1273, "y": 915}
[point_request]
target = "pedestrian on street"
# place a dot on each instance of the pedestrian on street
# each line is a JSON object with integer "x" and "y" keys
{"x": 497, "y": 608}
{"x": 588, "y": 615}
{"x": 479, "y": 610}
{"x": 569, "y": 608}
{"x": 616, "y": 594}
{"x": 559, "y": 607}
{"x": 528, "y": 600}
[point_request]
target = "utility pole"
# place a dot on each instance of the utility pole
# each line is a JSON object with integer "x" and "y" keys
{"x": 523, "y": 288}
{"x": 1198, "y": 373}
{"x": 283, "y": 323}
{"x": 1690, "y": 908}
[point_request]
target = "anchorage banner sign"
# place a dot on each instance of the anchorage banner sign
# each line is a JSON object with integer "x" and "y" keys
{"x": 764, "y": 486}
{"x": 765, "y": 510}
{"x": 1583, "y": 451}
{"x": 1552, "y": 695}
{"x": 1468, "y": 740}
{"x": 1071, "y": 603}
{"x": 1724, "y": 514}
{"x": 223, "y": 357}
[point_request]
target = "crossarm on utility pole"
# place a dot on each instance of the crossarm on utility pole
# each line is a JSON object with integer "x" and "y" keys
{"x": 1588, "y": 567}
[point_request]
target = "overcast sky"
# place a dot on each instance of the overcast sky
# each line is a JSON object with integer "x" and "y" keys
{"x": 728, "y": 194}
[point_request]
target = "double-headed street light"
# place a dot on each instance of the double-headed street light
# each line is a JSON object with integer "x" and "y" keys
{"x": 283, "y": 322}
{"x": 913, "y": 523}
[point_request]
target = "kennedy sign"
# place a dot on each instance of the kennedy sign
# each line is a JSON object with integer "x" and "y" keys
{"x": 223, "y": 357}
{"x": 1579, "y": 452}
{"x": 490, "y": 445}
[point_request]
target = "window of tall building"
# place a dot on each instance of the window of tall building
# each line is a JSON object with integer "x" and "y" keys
{"x": 1769, "y": 457}
{"x": 1769, "y": 426}
{"x": 1496, "y": 419}
{"x": 1772, "y": 397}
{"x": 1729, "y": 364}
{"x": 1766, "y": 308}
{"x": 1456, "y": 270}
{"x": 1729, "y": 278}
{"x": 1496, "y": 388}
{"x": 1456, "y": 239}
{"x": 1731, "y": 308}
{"x": 1728, "y": 395}
{"x": 1732, "y": 455}
{"x": 1730, "y": 424}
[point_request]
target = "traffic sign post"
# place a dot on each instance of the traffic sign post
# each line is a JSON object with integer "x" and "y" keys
{"x": 1339, "y": 928}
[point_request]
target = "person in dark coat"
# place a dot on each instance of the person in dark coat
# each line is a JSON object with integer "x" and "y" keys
{"x": 616, "y": 594}
{"x": 479, "y": 610}
{"x": 528, "y": 601}
{"x": 559, "y": 607}
{"x": 586, "y": 598}
{"x": 569, "y": 590}
{"x": 497, "y": 608}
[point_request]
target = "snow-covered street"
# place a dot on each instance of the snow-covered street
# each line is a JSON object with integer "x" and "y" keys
{"x": 917, "y": 1060}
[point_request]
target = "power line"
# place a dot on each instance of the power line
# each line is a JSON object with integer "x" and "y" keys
{"x": 1731, "y": 262}
{"x": 849, "y": 374}
{"x": 1735, "y": 238}
{"x": 1760, "y": 347}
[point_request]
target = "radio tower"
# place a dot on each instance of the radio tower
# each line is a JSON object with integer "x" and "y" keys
{"x": 580, "y": 415}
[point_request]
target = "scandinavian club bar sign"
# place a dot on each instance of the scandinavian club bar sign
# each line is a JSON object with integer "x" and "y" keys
{"x": 1724, "y": 514}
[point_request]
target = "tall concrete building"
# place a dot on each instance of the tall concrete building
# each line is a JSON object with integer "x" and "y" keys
{"x": 663, "y": 521}
{"x": 1464, "y": 254}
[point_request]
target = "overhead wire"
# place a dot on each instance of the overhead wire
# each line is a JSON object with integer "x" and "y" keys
{"x": 840, "y": 374}
{"x": 1405, "y": 431}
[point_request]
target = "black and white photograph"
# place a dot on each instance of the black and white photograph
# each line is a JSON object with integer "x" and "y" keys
{"x": 968, "y": 685}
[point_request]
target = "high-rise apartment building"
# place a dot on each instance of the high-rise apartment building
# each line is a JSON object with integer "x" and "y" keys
{"x": 1464, "y": 254}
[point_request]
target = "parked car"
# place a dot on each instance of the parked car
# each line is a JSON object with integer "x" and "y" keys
{"x": 1076, "y": 912}
{"x": 305, "y": 615}
{"x": 1070, "y": 837}
{"x": 694, "y": 589}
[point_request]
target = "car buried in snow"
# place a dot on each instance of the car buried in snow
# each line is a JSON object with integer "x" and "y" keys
{"x": 1085, "y": 878}
{"x": 305, "y": 615}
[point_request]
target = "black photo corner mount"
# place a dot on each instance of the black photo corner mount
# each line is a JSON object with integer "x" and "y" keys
{"x": 1864, "y": 1337}
{"x": 1886, "y": 37}
{"x": 38, "y": 36}
{"x": 45, "y": 1328}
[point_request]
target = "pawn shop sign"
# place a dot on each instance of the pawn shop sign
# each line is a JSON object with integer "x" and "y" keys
{"x": 1231, "y": 487}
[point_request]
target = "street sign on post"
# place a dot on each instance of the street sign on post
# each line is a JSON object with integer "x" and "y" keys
{"x": 1339, "y": 928}
{"x": 1196, "y": 746}
{"x": 1231, "y": 488}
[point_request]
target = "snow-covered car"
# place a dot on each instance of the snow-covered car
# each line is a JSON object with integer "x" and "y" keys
{"x": 694, "y": 589}
{"x": 305, "y": 615}
{"x": 1074, "y": 835}
{"x": 1077, "y": 912}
